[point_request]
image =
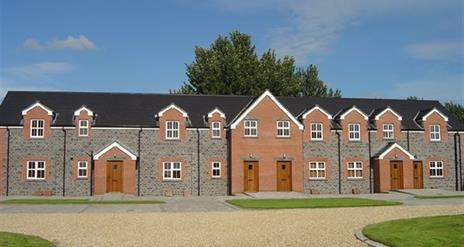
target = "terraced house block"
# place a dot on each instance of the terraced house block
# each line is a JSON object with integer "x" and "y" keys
{"x": 81, "y": 144}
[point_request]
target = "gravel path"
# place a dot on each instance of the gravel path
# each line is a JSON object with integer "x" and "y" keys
{"x": 297, "y": 227}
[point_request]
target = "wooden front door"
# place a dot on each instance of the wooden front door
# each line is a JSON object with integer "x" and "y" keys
{"x": 284, "y": 176}
{"x": 114, "y": 176}
{"x": 251, "y": 176}
{"x": 418, "y": 175}
{"x": 396, "y": 173}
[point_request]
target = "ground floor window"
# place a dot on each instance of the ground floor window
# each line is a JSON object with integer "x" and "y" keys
{"x": 172, "y": 170}
{"x": 436, "y": 169}
{"x": 355, "y": 169}
{"x": 316, "y": 170}
{"x": 36, "y": 170}
{"x": 82, "y": 169}
{"x": 216, "y": 169}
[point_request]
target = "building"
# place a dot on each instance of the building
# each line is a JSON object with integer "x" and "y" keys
{"x": 80, "y": 144}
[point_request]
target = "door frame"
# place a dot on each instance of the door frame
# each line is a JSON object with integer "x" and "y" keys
{"x": 109, "y": 165}
{"x": 255, "y": 165}
{"x": 278, "y": 163}
{"x": 401, "y": 175}
{"x": 421, "y": 174}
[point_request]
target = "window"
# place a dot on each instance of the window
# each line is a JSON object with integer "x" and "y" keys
{"x": 83, "y": 127}
{"x": 388, "y": 131}
{"x": 355, "y": 169}
{"x": 82, "y": 169}
{"x": 216, "y": 169}
{"x": 436, "y": 169}
{"x": 172, "y": 170}
{"x": 316, "y": 131}
{"x": 435, "y": 132}
{"x": 36, "y": 170}
{"x": 216, "y": 129}
{"x": 37, "y": 128}
{"x": 316, "y": 170}
{"x": 172, "y": 130}
{"x": 251, "y": 128}
{"x": 354, "y": 132}
{"x": 283, "y": 128}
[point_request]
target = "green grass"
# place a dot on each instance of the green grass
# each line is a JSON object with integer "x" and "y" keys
{"x": 75, "y": 201}
{"x": 428, "y": 231}
{"x": 308, "y": 203}
{"x": 439, "y": 197}
{"x": 21, "y": 240}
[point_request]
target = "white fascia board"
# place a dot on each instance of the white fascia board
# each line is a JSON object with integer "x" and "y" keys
{"x": 83, "y": 108}
{"x": 38, "y": 104}
{"x": 354, "y": 108}
{"x": 316, "y": 107}
{"x": 377, "y": 117}
{"x": 396, "y": 145}
{"x": 172, "y": 106}
{"x": 117, "y": 145}
{"x": 432, "y": 111}
{"x": 216, "y": 110}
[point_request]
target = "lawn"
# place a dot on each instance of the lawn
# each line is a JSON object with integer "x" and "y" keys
{"x": 428, "y": 231}
{"x": 21, "y": 240}
{"x": 308, "y": 203}
{"x": 75, "y": 201}
{"x": 439, "y": 197}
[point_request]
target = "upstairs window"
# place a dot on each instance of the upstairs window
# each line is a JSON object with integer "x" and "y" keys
{"x": 317, "y": 170}
{"x": 435, "y": 132}
{"x": 216, "y": 129}
{"x": 216, "y": 169}
{"x": 172, "y": 170}
{"x": 251, "y": 128}
{"x": 37, "y": 128}
{"x": 83, "y": 128}
{"x": 354, "y": 131}
{"x": 355, "y": 169}
{"x": 172, "y": 130}
{"x": 283, "y": 129}
{"x": 316, "y": 131}
{"x": 82, "y": 169}
{"x": 436, "y": 169}
{"x": 36, "y": 170}
{"x": 388, "y": 131}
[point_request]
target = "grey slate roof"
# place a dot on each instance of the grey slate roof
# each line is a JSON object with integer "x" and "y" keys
{"x": 139, "y": 109}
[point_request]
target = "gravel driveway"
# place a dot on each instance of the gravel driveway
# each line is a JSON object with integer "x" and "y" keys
{"x": 296, "y": 227}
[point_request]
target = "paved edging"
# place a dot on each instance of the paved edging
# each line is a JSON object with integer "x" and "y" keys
{"x": 371, "y": 243}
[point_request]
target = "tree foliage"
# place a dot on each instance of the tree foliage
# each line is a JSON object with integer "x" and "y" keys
{"x": 231, "y": 66}
{"x": 456, "y": 109}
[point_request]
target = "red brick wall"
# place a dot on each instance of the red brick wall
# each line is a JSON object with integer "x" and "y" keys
{"x": 328, "y": 166}
{"x": 48, "y": 167}
{"x": 74, "y": 165}
{"x": 388, "y": 118}
{"x": 317, "y": 117}
{"x": 216, "y": 117}
{"x": 172, "y": 115}
{"x": 383, "y": 181}
{"x": 435, "y": 118}
{"x": 83, "y": 115}
{"x": 36, "y": 113}
{"x": 352, "y": 118}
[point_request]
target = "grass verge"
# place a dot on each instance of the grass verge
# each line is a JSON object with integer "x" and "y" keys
{"x": 22, "y": 240}
{"x": 75, "y": 201}
{"x": 426, "y": 231}
{"x": 439, "y": 197}
{"x": 308, "y": 203}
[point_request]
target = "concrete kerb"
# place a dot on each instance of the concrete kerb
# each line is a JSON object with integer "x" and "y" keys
{"x": 371, "y": 243}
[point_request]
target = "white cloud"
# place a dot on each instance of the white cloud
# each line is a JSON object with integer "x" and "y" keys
{"x": 40, "y": 70}
{"x": 438, "y": 50}
{"x": 80, "y": 43}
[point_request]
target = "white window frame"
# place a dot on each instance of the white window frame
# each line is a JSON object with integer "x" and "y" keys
{"x": 82, "y": 168}
{"x": 353, "y": 133}
{"x": 315, "y": 132}
{"x": 248, "y": 128}
{"x": 175, "y": 132}
{"x": 355, "y": 169}
{"x": 84, "y": 128}
{"x": 37, "y": 128}
{"x": 388, "y": 133}
{"x": 216, "y": 129}
{"x": 435, "y": 134}
{"x": 284, "y": 128}
{"x": 215, "y": 166}
{"x": 170, "y": 169}
{"x": 434, "y": 169}
{"x": 35, "y": 169}
{"x": 317, "y": 169}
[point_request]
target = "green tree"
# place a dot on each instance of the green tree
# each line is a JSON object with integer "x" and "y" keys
{"x": 231, "y": 66}
{"x": 456, "y": 109}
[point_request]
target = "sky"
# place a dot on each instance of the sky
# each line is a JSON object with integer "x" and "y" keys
{"x": 368, "y": 49}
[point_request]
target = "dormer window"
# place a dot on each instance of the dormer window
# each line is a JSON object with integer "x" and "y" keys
{"x": 216, "y": 129}
{"x": 172, "y": 130}
{"x": 388, "y": 131}
{"x": 354, "y": 131}
{"x": 435, "y": 132}
{"x": 37, "y": 128}
{"x": 83, "y": 128}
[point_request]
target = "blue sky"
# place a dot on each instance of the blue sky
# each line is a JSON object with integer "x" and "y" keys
{"x": 381, "y": 49}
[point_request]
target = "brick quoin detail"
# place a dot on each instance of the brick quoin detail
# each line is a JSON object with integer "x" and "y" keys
{"x": 224, "y": 167}
{"x": 48, "y": 168}
{"x": 436, "y": 158}
{"x": 184, "y": 168}
{"x": 328, "y": 167}
{"x": 74, "y": 166}
{"x": 365, "y": 167}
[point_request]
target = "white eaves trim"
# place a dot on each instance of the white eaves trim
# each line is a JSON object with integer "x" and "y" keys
{"x": 377, "y": 117}
{"x": 354, "y": 108}
{"x": 316, "y": 107}
{"x": 267, "y": 93}
{"x": 83, "y": 108}
{"x": 172, "y": 106}
{"x": 117, "y": 145}
{"x": 432, "y": 111}
{"x": 396, "y": 145}
{"x": 216, "y": 110}
{"x": 37, "y": 104}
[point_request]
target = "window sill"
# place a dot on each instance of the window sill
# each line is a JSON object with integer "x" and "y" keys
{"x": 36, "y": 138}
{"x": 216, "y": 178}
{"x": 355, "y": 179}
{"x": 355, "y": 141}
{"x": 174, "y": 140}
{"x": 250, "y": 137}
{"x": 172, "y": 180}
{"x": 82, "y": 178}
{"x": 317, "y": 179}
{"x": 216, "y": 138}
{"x": 36, "y": 180}
{"x": 437, "y": 177}
{"x": 435, "y": 141}
{"x": 317, "y": 140}
{"x": 283, "y": 137}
